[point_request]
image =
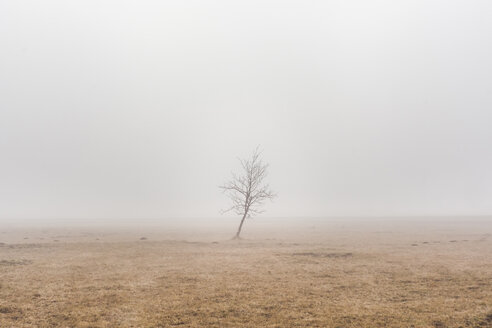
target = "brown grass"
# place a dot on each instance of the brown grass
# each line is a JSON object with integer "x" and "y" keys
{"x": 343, "y": 277}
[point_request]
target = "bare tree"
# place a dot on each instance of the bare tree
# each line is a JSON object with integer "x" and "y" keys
{"x": 248, "y": 191}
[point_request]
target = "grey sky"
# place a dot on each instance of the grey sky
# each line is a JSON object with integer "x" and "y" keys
{"x": 129, "y": 109}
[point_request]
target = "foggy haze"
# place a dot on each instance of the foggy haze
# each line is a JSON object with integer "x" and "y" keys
{"x": 126, "y": 109}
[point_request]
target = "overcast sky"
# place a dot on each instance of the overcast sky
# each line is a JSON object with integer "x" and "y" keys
{"x": 139, "y": 109}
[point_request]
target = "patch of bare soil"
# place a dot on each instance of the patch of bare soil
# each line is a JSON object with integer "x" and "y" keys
{"x": 327, "y": 255}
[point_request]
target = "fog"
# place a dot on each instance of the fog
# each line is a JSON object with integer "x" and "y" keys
{"x": 123, "y": 110}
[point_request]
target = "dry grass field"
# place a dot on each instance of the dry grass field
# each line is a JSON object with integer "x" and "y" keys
{"x": 304, "y": 273}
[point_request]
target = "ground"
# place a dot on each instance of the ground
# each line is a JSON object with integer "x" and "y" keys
{"x": 284, "y": 273}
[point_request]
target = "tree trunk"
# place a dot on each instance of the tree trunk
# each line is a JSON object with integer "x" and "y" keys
{"x": 240, "y": 226}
